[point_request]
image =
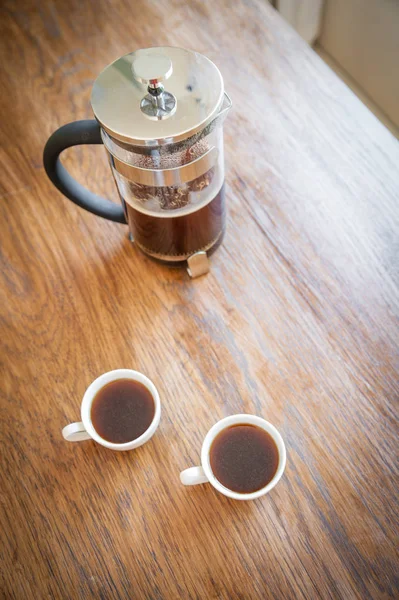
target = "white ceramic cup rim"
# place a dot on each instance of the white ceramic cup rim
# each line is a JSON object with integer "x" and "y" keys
{"x": 242, "y": 420}
{"x": 97, "y": 385}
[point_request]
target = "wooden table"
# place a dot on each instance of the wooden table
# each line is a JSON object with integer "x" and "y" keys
{"x": 295, "y": 322}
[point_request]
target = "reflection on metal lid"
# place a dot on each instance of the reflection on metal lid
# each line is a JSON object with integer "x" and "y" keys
{"x": 193, "y": 80}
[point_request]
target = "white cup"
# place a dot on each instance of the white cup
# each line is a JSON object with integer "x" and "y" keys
{"x": 204, "y": 474}
{"x": 84, "y": 430}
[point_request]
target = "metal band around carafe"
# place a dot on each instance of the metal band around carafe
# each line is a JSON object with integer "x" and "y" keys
{"x": 166, "y": 177}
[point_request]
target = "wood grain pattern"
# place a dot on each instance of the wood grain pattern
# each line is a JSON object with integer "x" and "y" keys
{"x": 297, "y": 322}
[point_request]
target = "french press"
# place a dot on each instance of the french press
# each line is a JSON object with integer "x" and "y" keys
{"x": 159, "y": 113}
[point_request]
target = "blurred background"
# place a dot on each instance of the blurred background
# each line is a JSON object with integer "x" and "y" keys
{"x": 359, "y": 39}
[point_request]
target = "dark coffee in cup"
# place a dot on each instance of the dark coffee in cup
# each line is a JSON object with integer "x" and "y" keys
{"x": 244, "y": 458}
{"x": 122, "y": 411}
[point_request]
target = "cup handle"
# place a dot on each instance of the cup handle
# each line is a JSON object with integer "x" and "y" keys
{"x": 193, "y": 476}
{"x": 75, "y": 432}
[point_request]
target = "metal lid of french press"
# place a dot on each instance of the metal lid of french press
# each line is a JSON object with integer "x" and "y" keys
{"x": 157, "y": 95}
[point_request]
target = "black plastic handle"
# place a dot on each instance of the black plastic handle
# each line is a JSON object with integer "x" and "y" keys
{"x": 75, "y": 134}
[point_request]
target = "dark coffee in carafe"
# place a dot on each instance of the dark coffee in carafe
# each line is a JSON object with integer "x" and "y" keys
{"x": 173, "y": 238}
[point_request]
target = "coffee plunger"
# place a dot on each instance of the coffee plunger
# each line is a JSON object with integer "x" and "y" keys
{"x": 159, "y": 113}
